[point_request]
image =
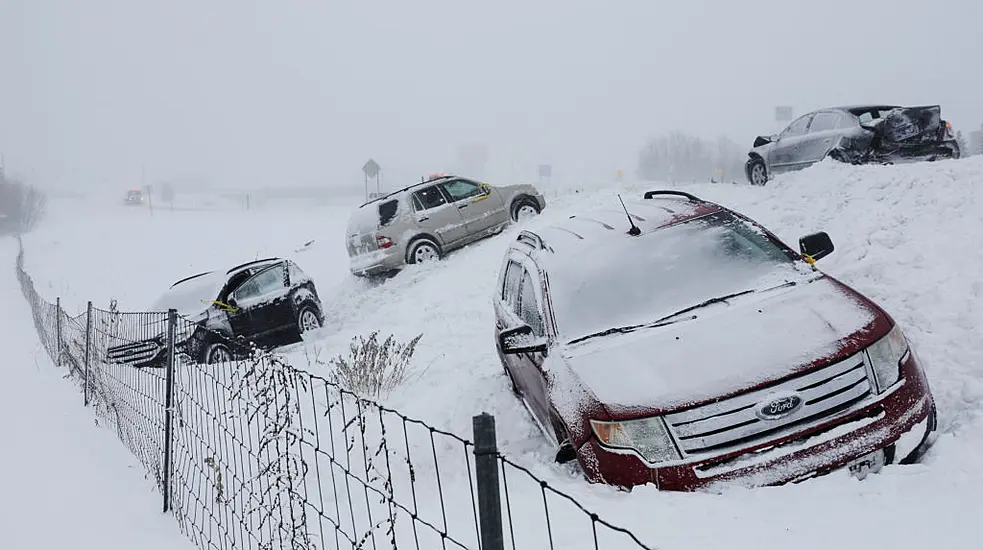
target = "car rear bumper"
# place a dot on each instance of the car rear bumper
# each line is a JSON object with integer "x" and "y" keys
{"x": 899, "y": 421}
{"x": 928, "y": 151}
{"x": 377, "y": 262}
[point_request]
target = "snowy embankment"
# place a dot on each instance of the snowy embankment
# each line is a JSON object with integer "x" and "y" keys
{"x": 68, "y": 483}
{"x": 904, "y": 235}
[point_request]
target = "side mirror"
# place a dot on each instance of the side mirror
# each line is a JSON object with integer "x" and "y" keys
{"x": 521, "y": 340}
{"x": 816, "y": 246}
{"x": 762, "y": 140}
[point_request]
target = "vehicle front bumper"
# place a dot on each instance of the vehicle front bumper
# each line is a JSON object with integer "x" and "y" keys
{"x": 902, "y": 415}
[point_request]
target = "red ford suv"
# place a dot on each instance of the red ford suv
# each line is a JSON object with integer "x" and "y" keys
{"x": 676, "y": 342}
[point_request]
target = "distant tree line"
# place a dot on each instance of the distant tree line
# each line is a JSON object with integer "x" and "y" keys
{"x": 21, "y": 206}
{"x": 682, "y": 157}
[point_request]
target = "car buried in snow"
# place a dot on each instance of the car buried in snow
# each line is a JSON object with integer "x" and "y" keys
{"x": 423, "y": 222}
{"x": 267, "y": 303}
{"x": 686, "y": 346}
{"x": 858, "y": 134}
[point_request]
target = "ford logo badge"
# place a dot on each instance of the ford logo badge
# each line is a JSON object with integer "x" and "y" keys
{"x": 778, "y": 406}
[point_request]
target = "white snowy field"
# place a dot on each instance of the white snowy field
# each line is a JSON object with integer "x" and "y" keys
{"x": 66, "y": 482}
{"x": 904, "y": 235}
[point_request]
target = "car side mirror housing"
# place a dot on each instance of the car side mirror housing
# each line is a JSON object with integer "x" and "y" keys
{"x": 521, "y": 340}
{"x": 816, "y": 245}
{"x": 762, "y": 140}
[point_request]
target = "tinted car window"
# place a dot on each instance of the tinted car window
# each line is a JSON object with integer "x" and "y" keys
{"x": 387, "y": 211}
{"x": 823, "y": 122}
{"x": 427, "y": 198}
{"x": 845, "y": 122}
{"x": 264, "y": 282}
{"x": 528, "y": 308}
{"x": 797, "y": 128}
{"x": 459, "y": 189}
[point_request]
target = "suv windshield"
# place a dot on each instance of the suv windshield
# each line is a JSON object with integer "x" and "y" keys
{"x": 639, "y": 280}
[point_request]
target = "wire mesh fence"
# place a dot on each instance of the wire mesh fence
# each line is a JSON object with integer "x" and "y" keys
{"x": 251, "y": 453}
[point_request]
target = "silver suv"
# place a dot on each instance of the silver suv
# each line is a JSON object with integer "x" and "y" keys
{"x": 427, "y": 220}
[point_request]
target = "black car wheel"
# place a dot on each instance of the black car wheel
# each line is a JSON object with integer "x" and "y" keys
{"x": 307, "y": 320}
{"x": 524, "y": 209}
{"x": 423, "y": 251}
{"x": 216, "y": 352}
{"x": 757, "y": 173}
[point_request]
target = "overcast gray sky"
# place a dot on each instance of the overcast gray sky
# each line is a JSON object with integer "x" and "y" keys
{"x": 304, "y": 91}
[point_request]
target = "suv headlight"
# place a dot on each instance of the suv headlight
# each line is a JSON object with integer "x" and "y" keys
{"x": 648, "y": 437}
{"x": 886, "y": 356}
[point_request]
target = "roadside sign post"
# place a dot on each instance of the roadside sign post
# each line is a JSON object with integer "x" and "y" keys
{"x": 783, "y": 115}
{"x": 371, "y": 169}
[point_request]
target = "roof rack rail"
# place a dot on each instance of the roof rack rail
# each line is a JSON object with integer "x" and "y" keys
{"x": 254, "y": 262}
{"x": 650, "y": 194}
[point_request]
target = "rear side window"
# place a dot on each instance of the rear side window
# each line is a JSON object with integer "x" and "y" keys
{"x": 428, "y": 198}
{"x": 823, "y": 122}
{"x": 387, "y": 211}
{"x": 845, "y": 122}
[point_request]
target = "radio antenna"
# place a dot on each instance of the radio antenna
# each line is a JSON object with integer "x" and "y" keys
{"x": 634, "y": 231}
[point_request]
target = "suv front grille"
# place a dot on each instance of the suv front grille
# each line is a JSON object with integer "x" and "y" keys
{"x": 136, "y": 353}
{"x": 734, "y": 421}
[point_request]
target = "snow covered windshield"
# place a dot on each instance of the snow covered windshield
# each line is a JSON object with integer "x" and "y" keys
{"x": 635, "y": 280}
{"x": 193, "y": 295}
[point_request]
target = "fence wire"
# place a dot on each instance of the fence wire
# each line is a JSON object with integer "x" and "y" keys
{"x": 252, "y": 453}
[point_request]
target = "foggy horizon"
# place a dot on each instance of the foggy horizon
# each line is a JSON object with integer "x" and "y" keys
{"x": 106, "y": 93}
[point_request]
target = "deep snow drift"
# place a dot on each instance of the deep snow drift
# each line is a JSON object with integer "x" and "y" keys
{"x": 67, "y": 482}
{"x": 905, "y": 236}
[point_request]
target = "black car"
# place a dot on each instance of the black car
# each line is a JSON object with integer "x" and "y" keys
{"x": 859, "y": 135}
{"x": 269, "y": 303}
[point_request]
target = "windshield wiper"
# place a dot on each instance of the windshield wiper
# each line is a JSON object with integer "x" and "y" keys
{"x": 671, "y": 318}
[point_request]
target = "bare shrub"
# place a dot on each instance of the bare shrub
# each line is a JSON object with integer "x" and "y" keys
{"x": 21, "y": 206}
{"x": 372, "y": 369}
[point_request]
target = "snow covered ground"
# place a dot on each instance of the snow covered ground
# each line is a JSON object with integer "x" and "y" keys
{"x": 904, "y": 235}
{"x": 66, "y": 482}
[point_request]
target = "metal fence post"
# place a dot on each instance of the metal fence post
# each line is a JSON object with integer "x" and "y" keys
{"x": 168, "y": 406}
{"x": 58, "y": 331}
{"x": 486, "y": 474}
{"x": 88, "y": 353}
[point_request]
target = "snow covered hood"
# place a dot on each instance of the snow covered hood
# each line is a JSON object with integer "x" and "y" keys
{"x": 729, "y": 347}
{"x": 192, "y": 296}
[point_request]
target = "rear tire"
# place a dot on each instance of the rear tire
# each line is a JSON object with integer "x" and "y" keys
{"x": 423, "y": 251}
{"x": 307, "y": 319}
{"x": 757, "y": 173}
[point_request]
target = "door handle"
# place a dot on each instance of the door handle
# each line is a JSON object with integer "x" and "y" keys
{"x": 423, "y": 219}
{"x": 465, "y": 205}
